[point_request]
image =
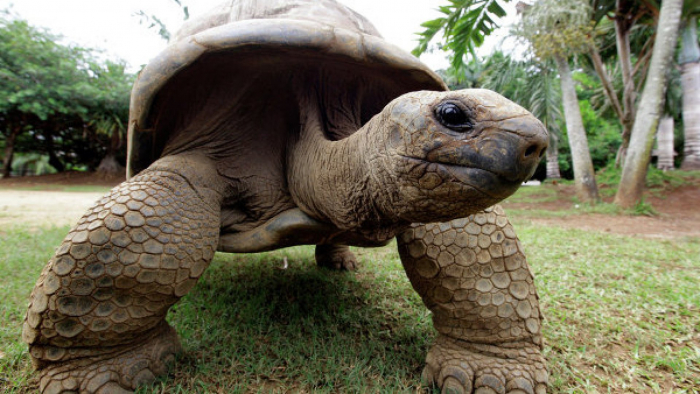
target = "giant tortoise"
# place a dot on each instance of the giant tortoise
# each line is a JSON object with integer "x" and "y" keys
{"x": 271, "y": 123}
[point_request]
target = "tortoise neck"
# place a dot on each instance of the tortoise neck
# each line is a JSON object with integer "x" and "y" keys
{"x": 343, "y": 182}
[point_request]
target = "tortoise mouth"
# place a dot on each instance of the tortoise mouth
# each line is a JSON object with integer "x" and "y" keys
{"x": 484, "y": 181}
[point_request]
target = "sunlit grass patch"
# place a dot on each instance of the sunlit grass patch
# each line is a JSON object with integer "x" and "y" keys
{"x": 622, "y": 313}
{"x": 23, "y": 254}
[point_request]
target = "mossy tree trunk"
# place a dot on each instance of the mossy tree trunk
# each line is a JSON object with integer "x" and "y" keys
{"x": 636, "y": 164}
{"x": 689, "y": 60}
{"x": 623, "y": 27}
{"x": 664, "y": 144}
{"x": 584, "y": 175}
{"x": 553, "y": 159}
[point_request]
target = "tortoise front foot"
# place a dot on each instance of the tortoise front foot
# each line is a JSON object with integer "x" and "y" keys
{"x": 116, "y": 373}
{"x": 459, "y": 366}
{"x": 473, "y": 275}
{"x": 336, "y": 257}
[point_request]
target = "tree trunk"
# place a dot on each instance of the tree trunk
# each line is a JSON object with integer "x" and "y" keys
{"x": 690, "y": 80}
{"x": 54, "y": 161}
{"x": 689, "y": 60}
{"x": 664, "y": 144}
{"x": 7, "y": 160}
{"x": 608, "y": 87}
{"x": 584, "y": 175}
{"x": 553, "y": 160}
{"x": 109, "y": 164}
{"x": 622, "y": 37}
{"x": 10, "y": 151}
{"x": 623, "y": 114}
{"x": 636, "y": 164}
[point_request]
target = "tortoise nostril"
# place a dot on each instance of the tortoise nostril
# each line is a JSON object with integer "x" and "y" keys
{"x": 530, "y": 150}
{"x": 542, "y": 152}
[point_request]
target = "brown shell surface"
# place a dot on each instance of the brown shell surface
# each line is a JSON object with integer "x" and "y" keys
{"x": 296, "y": 29}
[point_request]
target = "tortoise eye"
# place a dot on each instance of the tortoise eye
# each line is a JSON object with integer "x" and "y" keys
{"x": 453, "y": 117}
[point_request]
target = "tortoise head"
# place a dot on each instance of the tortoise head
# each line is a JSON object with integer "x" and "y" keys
{"x": 453, "y": 153}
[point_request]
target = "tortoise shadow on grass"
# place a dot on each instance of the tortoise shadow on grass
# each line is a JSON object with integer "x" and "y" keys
{"x": 248, "y": 322}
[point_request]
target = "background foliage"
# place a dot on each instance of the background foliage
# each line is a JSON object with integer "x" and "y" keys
{"x": 64, "y": 102}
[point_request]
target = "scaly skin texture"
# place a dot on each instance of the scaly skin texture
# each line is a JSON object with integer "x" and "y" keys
{"x": 96, "y": 321}
{"x": 473, "y": 276}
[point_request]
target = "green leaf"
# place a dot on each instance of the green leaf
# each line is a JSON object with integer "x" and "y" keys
{"x": 434, "y": 24}
{"x": 496, "y": 9}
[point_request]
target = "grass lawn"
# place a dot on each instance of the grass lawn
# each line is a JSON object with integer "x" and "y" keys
{"x": 622, "y": 316}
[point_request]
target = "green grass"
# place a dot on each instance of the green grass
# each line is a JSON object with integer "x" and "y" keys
{"x": 22, "y": 256}
{"x": 622, "y": 315}
{"x": 300, "y": 328}
{"x": 640, "y": 209}
{"x": 535, "y": 194}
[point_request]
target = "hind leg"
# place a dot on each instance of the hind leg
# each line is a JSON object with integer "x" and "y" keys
{"x": 96, "y": 321}
{"x": 472, "y": 274}
{"x": 336, "y": 257}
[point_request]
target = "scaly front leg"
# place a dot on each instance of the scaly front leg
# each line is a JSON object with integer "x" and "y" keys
{"x": 96, "y": 321}
{"x": 473, "y": 276}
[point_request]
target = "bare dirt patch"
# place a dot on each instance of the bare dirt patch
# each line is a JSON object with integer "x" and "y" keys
{"x": 35, "y": 201}
{"x": 678, "y": 214}
{"x": 34, "y": 208}
{"x": 68, "y": 178}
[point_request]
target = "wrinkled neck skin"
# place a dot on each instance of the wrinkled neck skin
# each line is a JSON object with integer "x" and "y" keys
{"x": 344, "y": 182}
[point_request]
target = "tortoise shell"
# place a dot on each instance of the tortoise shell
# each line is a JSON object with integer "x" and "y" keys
{"x": 255, "y": 48}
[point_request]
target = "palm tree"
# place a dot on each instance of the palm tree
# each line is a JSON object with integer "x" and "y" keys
{"x": 664, "y": 144}
{"x": 630, "y": 19}
{"x": 545, "y": 102}
{"x": 689, "y": 61}
{"x": 624, "y": 25}
{"x": 650, "y": 107}
{"x": 672, "y": 111}
{"x": 557, "y": 29}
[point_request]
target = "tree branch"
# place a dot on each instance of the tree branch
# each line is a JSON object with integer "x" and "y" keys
{"x": 605, "y": 80}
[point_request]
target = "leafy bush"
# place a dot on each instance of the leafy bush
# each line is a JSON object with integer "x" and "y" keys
{"x": 604, "y": 139}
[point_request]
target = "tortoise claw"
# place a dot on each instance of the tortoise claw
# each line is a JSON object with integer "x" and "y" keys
{"x": 122, "y": 373}
{"x": 457, "y": 366}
